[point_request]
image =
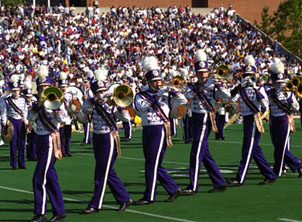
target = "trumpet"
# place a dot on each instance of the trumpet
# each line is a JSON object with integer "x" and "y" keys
{"x": 52, "y": 98}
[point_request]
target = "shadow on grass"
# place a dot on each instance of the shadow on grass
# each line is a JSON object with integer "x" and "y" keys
{"x": 132, "y": 145}
{"x": 72, "y": 192}
{"x": 4, "y": 158}
{"x": 17, "y": 201}
{"x": 5, "y": 168}
{"x": 7, "y": 220}
{"x": 6, "y": 210}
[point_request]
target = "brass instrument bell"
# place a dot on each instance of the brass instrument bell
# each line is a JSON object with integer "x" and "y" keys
{"x": 52, "y": 98}
{"x": 296, "y": 81}
{"x": 178, "y": 81}
{"x": 222, "y": 71}
{"x": 123, "y": 95}
{"x": 289, "y": 86}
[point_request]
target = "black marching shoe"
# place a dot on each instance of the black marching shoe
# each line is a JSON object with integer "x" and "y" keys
{"x": 267, "y": 181}
{"x": 217, "y": 189}
{"x": 174, "y": 196}
{"x": 143, "y": 202}
{"x": 89, "y": 210}
{"x": 233, "y": 182}
{"x": 59, "y": 217}
{"x": 299, "y": 172}
{"x": 125, "y": 139}
{"x": 188, "y": 191}
{"x": 125, "y": 205}
{"x": 39, "y": 218}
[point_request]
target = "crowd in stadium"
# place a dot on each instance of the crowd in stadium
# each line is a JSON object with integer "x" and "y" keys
{"x": 118, "y": 40}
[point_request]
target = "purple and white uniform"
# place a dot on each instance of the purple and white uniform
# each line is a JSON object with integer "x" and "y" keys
{"x": 201, "y": 128}
{"x": 250, "y": 146}
{"x": 154, "y": 140}
{"x": 105, "y": 153}
{"x": 19, "y": 119}
{"x": 280, "y": 129}
{"x": 45, "y": 180}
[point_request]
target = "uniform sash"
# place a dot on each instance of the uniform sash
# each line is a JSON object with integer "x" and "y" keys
{"x": 160, "y": 113}
{"x": 18, "y": 110}
{"x": 15, "y": 107}
{"x": 207, "y": 104}
{"x": 111, "y": 122}
{"x": 287, "y": 109}
{"x": 253, "y": 107}
{"x": 54, "y": 133}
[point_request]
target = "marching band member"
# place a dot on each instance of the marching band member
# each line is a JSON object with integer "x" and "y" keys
{"x": 65, "y": 127}
{"x": 202, "y": 100}
{"x": 187, "y": 120}
{"x": 45, "y": 179}
{"x": 15, "y": 110}
{"x": 87, "y": 126}
{"x": 152, "y": 104}
{"x": 2, "y": 95}
{"x": 252, "y": 100}
{"x": 220, "y": 119}
{"x": 106, "y": 146}
{"x": 282, "y": 105}
{"x": 31, "y": 146}
{"x": 127, "y": 126}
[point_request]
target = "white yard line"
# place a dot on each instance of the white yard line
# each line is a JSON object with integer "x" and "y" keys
{"x": 107, "y": 206}
{"x": 289, "y": 220}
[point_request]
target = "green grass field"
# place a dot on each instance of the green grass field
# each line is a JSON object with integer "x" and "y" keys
{"x": 251, "y": 203}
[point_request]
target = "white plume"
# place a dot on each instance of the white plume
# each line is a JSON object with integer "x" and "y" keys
{"x": 21, "y": 77}
{"x": 174, "y": 73}
{"x": 63, "y": 75}
{"x": 184, "y": 72}
{"x": 27, "y": 84}
{"x": 249, "y": 60}
{"x": 151, "y": 63}
{"x": 276, "y": 60}
{"x": 42, "y": 71}
{"x": 101, "y": 74}
{"x": 200, "y": 55}
{"x": 14, "y": 78}
{"x": 277, "y": 68}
